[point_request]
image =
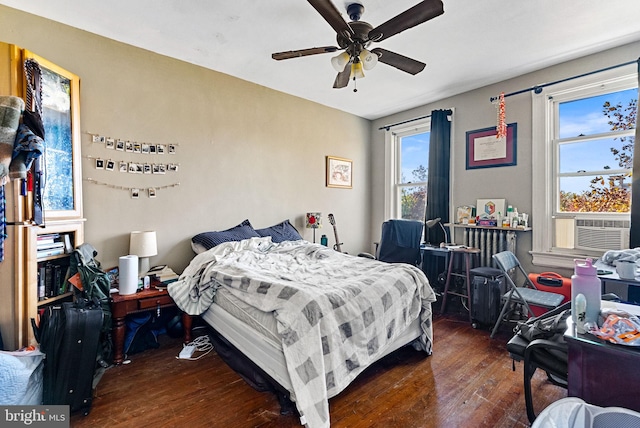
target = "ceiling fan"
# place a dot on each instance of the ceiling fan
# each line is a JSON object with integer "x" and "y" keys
{"x": 356, "y": 36}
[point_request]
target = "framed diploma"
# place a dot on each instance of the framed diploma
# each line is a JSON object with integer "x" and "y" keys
{"x": 484, "y": 150}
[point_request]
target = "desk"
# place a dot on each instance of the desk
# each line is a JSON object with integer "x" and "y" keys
{"x": 628, "y": 290}
{"x": 431, "y": 255}
{"x": 602, "y": 373}
{"x": 145, "y": 300}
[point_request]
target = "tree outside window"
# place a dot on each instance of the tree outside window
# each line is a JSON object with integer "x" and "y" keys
{"x": 412, "y": 186}
{"x": 596, "y": 153}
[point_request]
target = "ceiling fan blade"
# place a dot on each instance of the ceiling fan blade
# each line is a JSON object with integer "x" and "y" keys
{"x": 422, "y": 12}
{"x": 398, "y": 61}
{"x": 333, "y": 17}
{"x": 303, "y": 52}
{"x": 342, "y": 79}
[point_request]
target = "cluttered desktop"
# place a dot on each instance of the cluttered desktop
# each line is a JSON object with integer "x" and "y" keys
{"x": 618, "y": 272}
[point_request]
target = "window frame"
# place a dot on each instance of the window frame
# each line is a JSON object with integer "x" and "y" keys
{"x": 545, "y": 158}
{"x": 75, "y": 174}
{"x": 393, "y": 166}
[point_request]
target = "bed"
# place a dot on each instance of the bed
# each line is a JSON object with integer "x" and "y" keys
{"x": 309, "y": 317}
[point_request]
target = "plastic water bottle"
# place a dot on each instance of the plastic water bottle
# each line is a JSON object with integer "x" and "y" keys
{"x": 585, "y": 281}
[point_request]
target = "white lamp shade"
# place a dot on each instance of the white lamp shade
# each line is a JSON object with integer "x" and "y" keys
{"x": 340, "y": 61}
{"x": 356, "y": 70}
{"x": 368, "y": 59}
{"x": 143, "y": 243}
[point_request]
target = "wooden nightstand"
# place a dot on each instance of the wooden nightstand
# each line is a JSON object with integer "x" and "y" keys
{"x": 145, "y": 300}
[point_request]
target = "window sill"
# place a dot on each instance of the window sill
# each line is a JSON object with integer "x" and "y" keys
{"x": 558, "y": 260}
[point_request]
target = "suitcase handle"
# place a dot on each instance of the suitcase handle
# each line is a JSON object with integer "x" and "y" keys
{"x": 550, "y": 279}
{"x": 551, "y": 274}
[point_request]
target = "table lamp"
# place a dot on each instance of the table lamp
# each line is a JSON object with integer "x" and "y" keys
{"x": 314, "y": 221}
{"x": 431, "y": 223}
{"x": 143, "y": 244}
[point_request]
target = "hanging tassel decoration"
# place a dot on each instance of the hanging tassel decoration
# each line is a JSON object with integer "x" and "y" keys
{"x": 501, "y": 127}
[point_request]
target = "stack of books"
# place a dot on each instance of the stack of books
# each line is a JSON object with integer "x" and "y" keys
{"x": 50, "y": 245}
{"x": 163, "y": 273}
{"x": 51, "y": 279}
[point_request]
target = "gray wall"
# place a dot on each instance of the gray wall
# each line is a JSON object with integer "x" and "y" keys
{"x": 473, "y": 110}
{"x": 249, "y": 152}
{"x": 244, "y": 151}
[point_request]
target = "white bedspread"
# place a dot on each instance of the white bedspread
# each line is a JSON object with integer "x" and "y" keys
{"x": 335, "y": 312}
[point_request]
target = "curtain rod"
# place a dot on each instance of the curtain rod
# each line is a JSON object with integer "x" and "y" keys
{"x": 538, "y": 88}
{"x": 386, "y": 127}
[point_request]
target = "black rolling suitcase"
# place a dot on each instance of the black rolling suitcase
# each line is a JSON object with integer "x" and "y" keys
{"x": 69, "y": 336}
{"x": 486, "y": 294}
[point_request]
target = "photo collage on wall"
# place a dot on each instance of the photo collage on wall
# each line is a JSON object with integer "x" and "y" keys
{"x": 143, "y": 166}
{"x": 151, "y": 161}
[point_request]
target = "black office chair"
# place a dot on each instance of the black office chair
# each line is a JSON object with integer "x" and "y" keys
{"x": 399, "y": 243}
{"x": 550, "y": 355}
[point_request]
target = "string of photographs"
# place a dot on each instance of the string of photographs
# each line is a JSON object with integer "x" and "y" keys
{"x": 133, "y": 146}
{"x": 135, "y": 192}
{"x": 131, "y": 167}
{"x": 134, "y": 167}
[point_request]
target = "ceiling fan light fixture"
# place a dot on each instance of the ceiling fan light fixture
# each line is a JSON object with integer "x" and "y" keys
{"x": 368, "y": 59}
{"x": 340, "y": 61}
{"x": 356, "y": 70}
{"x": 354, "y": 37}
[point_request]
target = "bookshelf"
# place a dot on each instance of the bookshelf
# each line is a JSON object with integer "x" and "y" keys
{"x": 25, "y": 260}
{"x": 52, "y": 254}
{"x": 39, "y": 289}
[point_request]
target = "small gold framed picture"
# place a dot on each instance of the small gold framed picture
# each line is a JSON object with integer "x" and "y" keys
{"x": 339, "y": 172}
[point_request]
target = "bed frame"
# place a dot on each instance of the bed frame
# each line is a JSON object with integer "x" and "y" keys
{"x": 261, "y": 363}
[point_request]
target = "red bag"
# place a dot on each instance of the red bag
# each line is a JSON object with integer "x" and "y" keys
{"x": 553, "y": 283}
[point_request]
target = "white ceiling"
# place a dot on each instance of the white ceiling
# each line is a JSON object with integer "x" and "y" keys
{"x": 475, "y": 42}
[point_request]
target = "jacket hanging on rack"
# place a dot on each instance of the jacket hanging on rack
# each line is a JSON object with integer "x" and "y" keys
{"x": 27, "y": 151}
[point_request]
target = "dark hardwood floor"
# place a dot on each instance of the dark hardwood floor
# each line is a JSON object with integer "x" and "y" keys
{"x": 467, "y": 382}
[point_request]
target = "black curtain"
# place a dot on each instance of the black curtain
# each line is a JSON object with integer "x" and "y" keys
{"x": 438, "y": 175}
{"x": 634, "y": 238}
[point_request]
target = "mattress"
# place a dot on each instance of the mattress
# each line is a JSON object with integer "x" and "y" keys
{"x": 263, "y": 323}
{"x": 254, "y": 333}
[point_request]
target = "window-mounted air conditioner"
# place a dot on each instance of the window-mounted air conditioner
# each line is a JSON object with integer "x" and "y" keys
{"x": 601, "y": 235}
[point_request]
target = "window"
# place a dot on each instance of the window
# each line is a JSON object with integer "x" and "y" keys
{"x": 62, "y": 195}
{"x": 406, "y": 174}
{"x": 56, "y": 117}
{"x": 583, "y": 137}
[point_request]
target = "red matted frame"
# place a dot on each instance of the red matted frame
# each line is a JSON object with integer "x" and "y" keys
{"x": 475, "y": 160}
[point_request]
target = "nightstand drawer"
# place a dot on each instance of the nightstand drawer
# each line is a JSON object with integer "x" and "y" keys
{"x": 154, "y": 302}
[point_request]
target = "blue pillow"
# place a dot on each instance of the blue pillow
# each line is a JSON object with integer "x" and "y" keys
{"x": 210, "y": 239}
{"x": 280, "y": 232}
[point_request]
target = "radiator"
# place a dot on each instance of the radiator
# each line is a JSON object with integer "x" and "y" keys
{"x": 490, "y": 242}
